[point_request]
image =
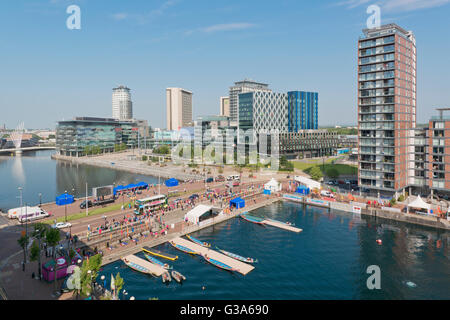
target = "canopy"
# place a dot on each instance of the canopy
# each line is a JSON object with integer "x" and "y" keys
{"x": 419, "y": 203}
{"x": 64, "y": 199}
{"x": 303, "y": 190}
{"x": 273, "y": 185}
{"x": 195, "y": 214}
{"x": 307, "y": 182}
{"x": 171, "y": 182}
{"x": 238, "y": 202}
{"x": 131, "y": 186}
{"x": 142, "y": 185}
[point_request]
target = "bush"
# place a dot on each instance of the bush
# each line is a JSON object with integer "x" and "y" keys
{"x": 393, "y": 202}
{"x": 401, "y": 198}
{"x": 316, "y": 173}
{"x": 144, "y": 158}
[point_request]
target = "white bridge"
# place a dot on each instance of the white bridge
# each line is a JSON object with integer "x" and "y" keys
{"x": 21, "y": 150}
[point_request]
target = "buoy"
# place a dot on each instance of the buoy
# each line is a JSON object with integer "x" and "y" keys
{"x": 411, "y": 284}
{"x": 379, "y": 241}
{"x": 203, "y": 288}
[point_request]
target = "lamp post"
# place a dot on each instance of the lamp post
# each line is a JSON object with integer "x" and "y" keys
{"x": 65, "y": 205}
{"x": 40, "y": 200}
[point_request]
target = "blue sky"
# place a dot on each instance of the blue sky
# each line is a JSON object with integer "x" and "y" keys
{"x": 49, "y": 73}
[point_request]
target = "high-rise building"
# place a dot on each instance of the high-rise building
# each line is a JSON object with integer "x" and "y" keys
{"x": 122, "y": 107}
{"x": 225, "y": 106}
{"x": 243, "y": 87}
{"x": 303, "y": 111}
{"x": 386, "y": 107}
{"x": 179, "y": 108}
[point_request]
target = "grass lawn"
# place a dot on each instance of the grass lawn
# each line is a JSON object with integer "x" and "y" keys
{"x": 92, "y": 212}
{"x": 342, "y": 169}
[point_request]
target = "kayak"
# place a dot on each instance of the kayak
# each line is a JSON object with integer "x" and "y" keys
{"x": 237, "y": 257}
{"x": 203, "y": 244}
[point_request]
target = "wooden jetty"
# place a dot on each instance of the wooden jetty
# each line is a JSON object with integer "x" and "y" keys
{"x": 281, "y": 225}
{"x": 148, "y": 266}
{"x": 240, "y": 267}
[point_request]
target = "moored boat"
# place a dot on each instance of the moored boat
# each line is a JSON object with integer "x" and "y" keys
{"x": 237, "y": 257}
{"x": 166, "y": 277}
{"x": 159, "y": 253}
{"x": 201, "y": 243}
{"x": 178, "y": 276}
{"x": 253, "y": 219}
{"x": 156, "y": 261}
{"x": 218, "y": 264}
{"x": 182, "y": 248}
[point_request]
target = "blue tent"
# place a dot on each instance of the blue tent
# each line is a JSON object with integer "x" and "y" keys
{"x": 238, "y": 203}
{"x": 303, "y": 190}
{"x": 118, "y": 188}
{"x": 130, "y": 186}
{"x": 172, "y": 182}
{"x": 142, "y": 185}
{"x": 64, "y": 199}
{"x": 266, "y": 191}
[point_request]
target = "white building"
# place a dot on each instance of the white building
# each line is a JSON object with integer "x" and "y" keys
{"x": 179, "y": 108}
{"x": 122, "y": 107}
{"x": 225, "y": 106}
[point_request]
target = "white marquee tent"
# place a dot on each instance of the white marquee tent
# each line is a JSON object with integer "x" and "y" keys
{"x": 195, "y": 214}
{"x": 273, "y": 185}
{"x": 419, "y": 203}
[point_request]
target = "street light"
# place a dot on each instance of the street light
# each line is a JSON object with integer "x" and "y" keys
{"x": 65, "y": 205}
{"x": 40, "y": 200}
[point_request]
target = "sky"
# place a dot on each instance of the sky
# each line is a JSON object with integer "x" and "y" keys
{"x": 50, "y": 73}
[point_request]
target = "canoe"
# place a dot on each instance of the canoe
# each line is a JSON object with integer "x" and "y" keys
{"x": 159, "y": 253}
{"x": 136, "y": 267}
{"x": 218, "y": 264}
{"x": 285, "y": 223}
{"x": 182, "y": 248}
{"x": 156, "y": 261}
{"x": 178, "y": 276}
{"x": 203, "y": 244}
{"x": 252, "y": 219}
{"x": 166, "y": 277}
{"x": 237, "y": 257}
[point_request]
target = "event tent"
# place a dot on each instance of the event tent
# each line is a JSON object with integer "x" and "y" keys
{"x": 419, "y": 203}
{"x": 273, "y": 185}
{"x": 311, "y": 184}
{"x": 195, "y": 214}
{"x": 171, "y": 182}
{"x": 238, "y": 203}
{"x": 303, "y": 190}
{"x": 64, "y": 199}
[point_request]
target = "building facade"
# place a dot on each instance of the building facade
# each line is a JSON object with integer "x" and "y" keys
{"x": 243, "y": 87}
{"x": 122, "y": 106}
{"x": 225, "y": 106}
{"x": 303, "y": 111}
{"x": 386, "y": 107}
{"x": 179, "y": 108}
{"x": 73, "y": 136}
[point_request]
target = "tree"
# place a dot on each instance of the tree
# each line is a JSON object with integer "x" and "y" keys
{"x": 118, "y": 283}
{"x": 35, "y": 253}
{"x": 23, "y": 241}
{"x": 316, "y": 173}
{"x": 93, "y": 265}
{"x": 144, "y": 158}
{"x": 39, "y": 232}
{"x": 52, "y": 236}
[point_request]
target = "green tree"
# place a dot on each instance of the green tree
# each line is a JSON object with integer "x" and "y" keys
{"x": 39, "y": 232}
{"x": 118, "y": 283}
{"x": 35, "y": 253}
{"x": 93, "y": 265}
{"x": 52, "y": 237}
{"x": 144, "y": 158}
{"x": 23, "y": 241}
{"x": 316, "y": 173}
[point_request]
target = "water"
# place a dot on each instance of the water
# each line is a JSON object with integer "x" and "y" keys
{"x": 37, "y": 173}
{"x": 328, "y": 260}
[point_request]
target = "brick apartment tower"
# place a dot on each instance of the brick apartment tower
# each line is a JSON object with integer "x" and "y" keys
{"x": 386, "y": 107}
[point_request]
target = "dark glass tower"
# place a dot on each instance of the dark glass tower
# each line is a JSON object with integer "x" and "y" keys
{"x": 303, "y": 110}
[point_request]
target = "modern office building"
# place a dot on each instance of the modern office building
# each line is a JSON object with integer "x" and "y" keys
{"x": 430, "y": 163}
{"x": 73, "y": 136}
{"x": 386, "y": 107}
{"x": 225, "y": 106}
{"x": 303, "y": 111}
{"x": 179, "y": 108}
{"x": 243, "y": 87}
{"x": 122, "y": 107}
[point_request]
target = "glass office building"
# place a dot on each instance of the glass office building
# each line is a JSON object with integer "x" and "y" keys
{"x": 73, "y": 136}
{"x": 303, "y": 111}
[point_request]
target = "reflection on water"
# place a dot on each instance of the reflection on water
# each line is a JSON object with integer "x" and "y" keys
{"x": 38, "y": 174}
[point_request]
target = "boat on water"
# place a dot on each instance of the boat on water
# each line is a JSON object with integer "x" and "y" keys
{"x": 201, "y": 243}
{"x": 237, "y": 257}
{"x": 253, "y": 219}
{"x": 156, "y": 261}
{"x": 159, "y": 253}
{"x": 178, "y": 276}
{"x": 136, "y": 266}
{"x": 182, "y": 248}
{"x": 166, "y": 277}
{"x": 218, "y": 264}
{"x": 286, "y": 223}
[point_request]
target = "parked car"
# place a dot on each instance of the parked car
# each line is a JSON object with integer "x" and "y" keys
{"x": 194, "y": 196}
{"x": 209, "y": 180}
{"x": 61, "y": 225}
{"x": 83, "y": 204}
{"x": 236, "y": 183}
{"x": 220, "y": 179}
